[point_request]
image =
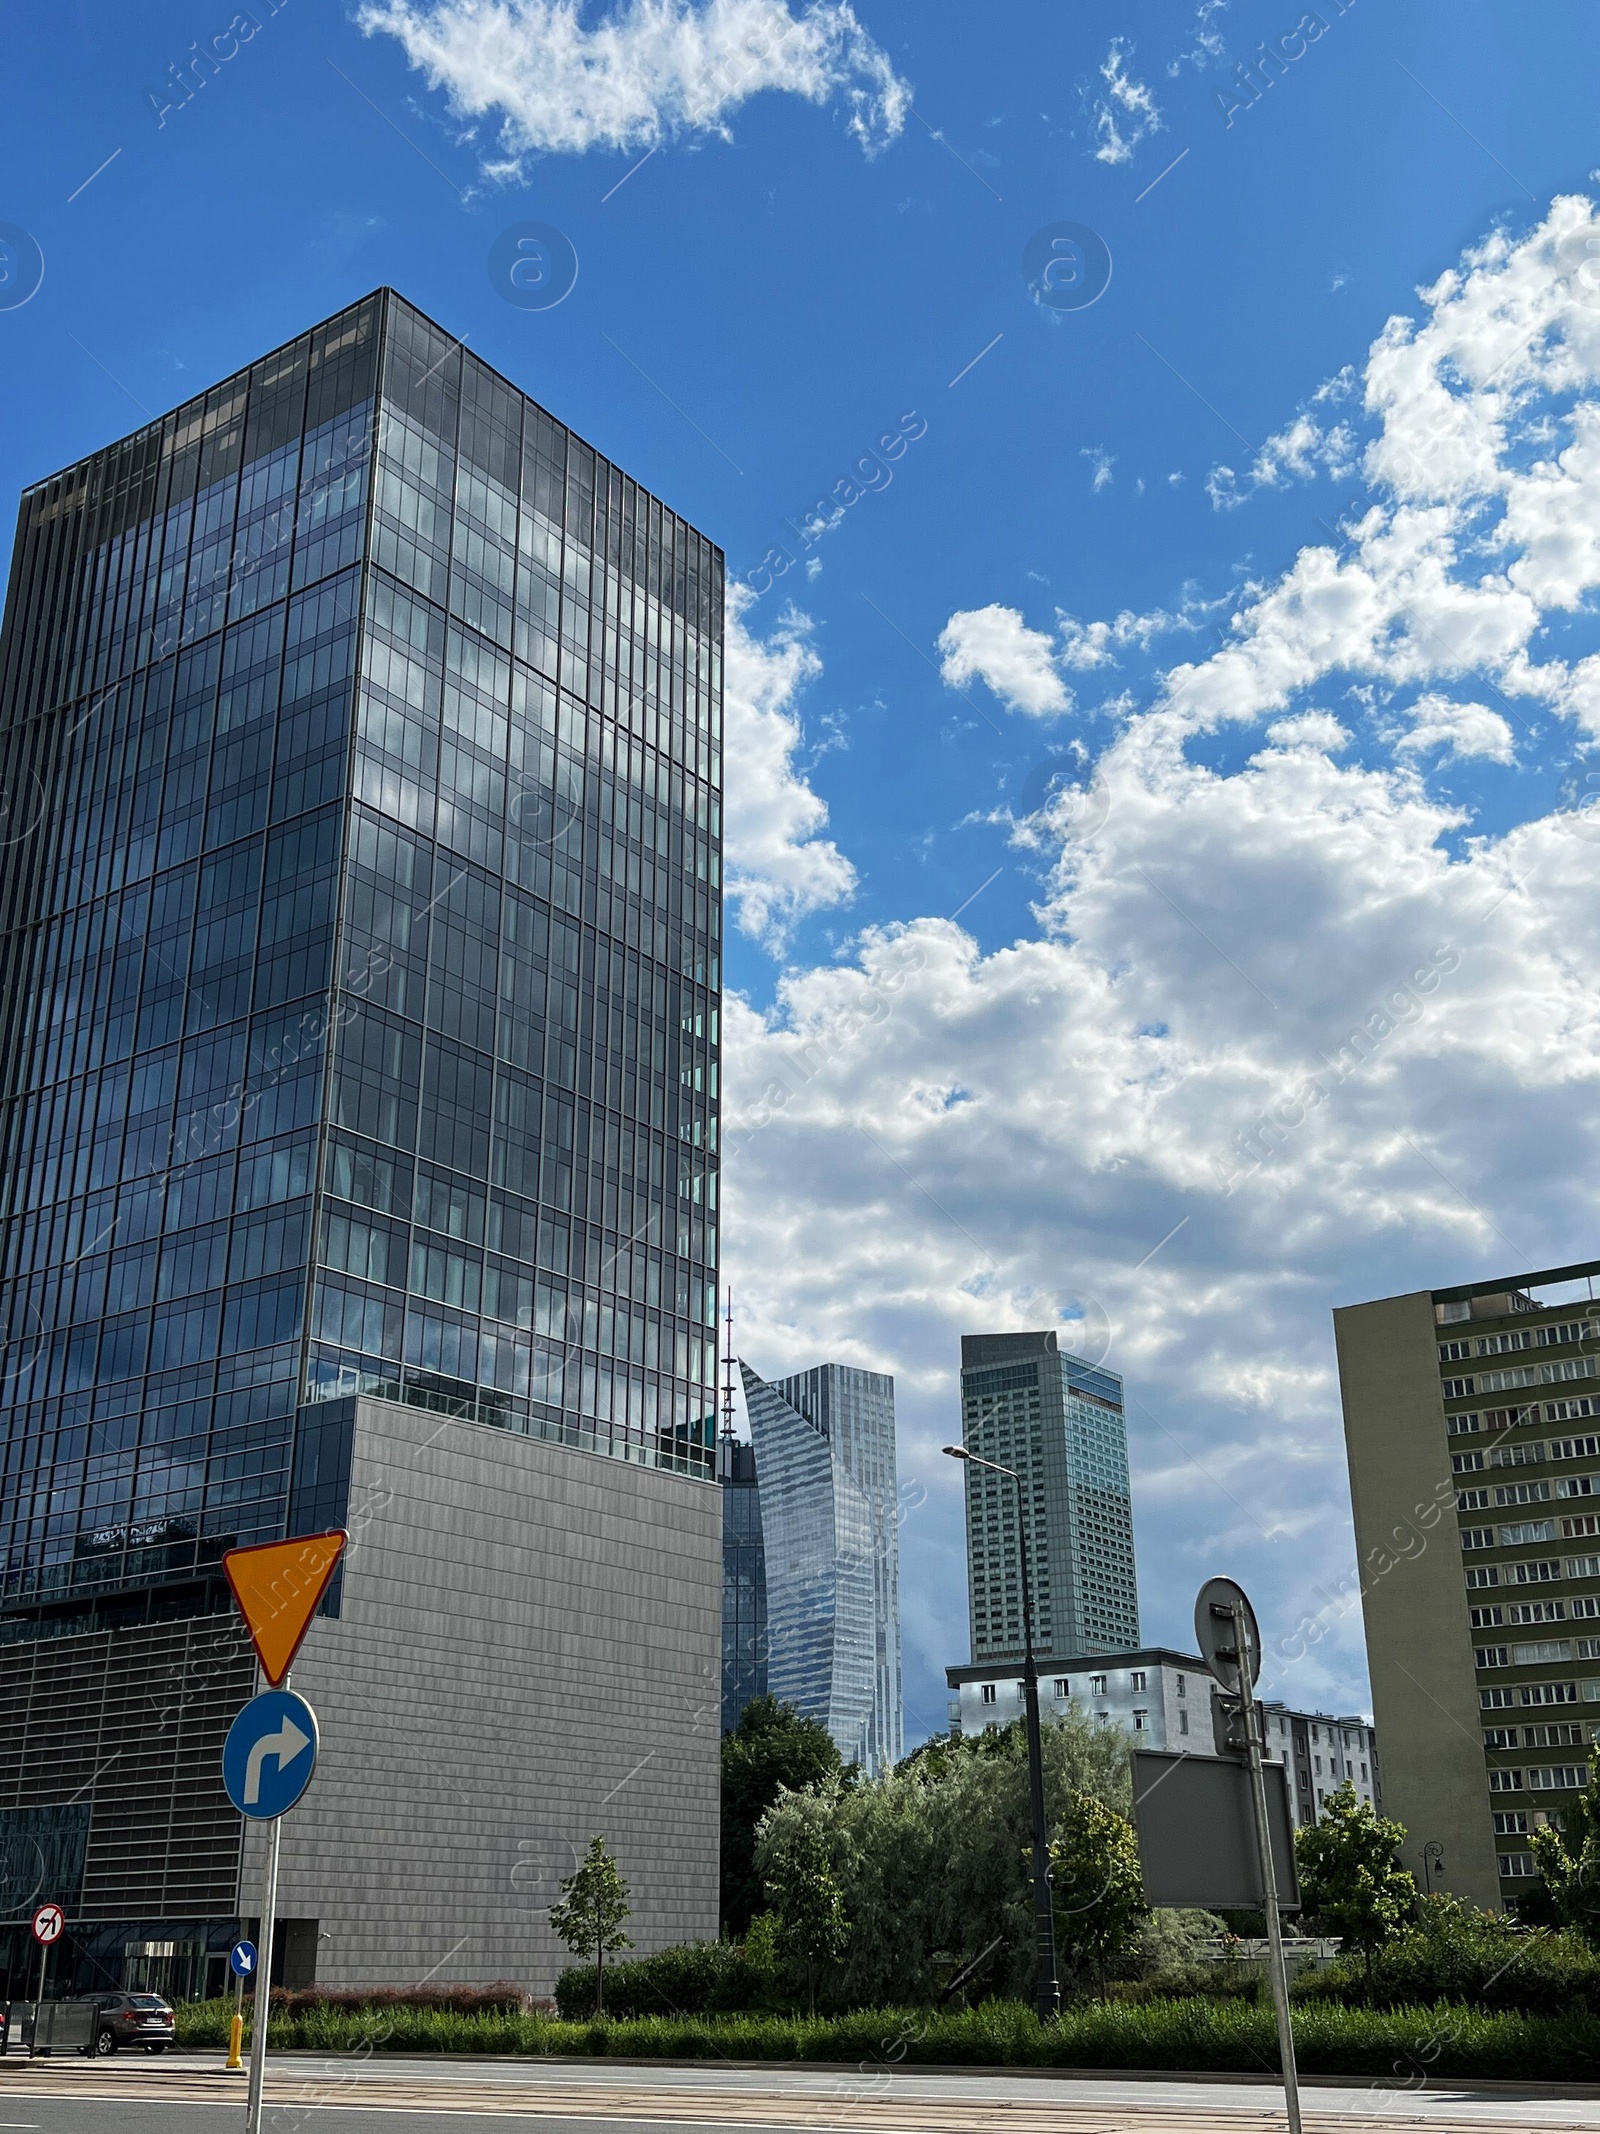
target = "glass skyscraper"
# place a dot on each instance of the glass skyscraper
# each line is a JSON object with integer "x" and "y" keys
{"x": 360, "y": 736}
{"x": 1058, "y": 1422}
{"x": 824, "y": 1453}
{"x": 744, "y": 1581}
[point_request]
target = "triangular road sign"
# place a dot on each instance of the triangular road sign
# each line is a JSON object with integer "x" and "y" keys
{"x": 278, "y": 1585}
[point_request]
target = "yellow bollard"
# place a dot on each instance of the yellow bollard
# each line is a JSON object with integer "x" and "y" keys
{"x": 235, "y": 2038}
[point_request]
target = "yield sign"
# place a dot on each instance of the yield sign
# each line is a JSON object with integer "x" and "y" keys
{"x": 278, "y": 1585}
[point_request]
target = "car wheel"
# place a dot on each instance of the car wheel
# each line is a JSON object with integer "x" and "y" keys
{"x": 104, "y": 2044}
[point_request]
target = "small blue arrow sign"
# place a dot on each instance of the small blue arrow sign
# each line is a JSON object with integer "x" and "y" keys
{"x": 270, "y": 1754}
{"x": 242, "y": 1959}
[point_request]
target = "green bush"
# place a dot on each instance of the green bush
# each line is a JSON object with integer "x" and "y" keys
{"x": 1478, "y": 1959}
{"x": 1401, "y": 2045}
{"x": 695, "y": 1978}
{"x": 1205, "y": 1981}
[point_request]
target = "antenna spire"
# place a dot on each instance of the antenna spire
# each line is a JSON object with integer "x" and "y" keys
{"x": 727, "y": 1373}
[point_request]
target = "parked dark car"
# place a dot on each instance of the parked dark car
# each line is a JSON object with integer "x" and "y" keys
{"x": 129, "y": 2019}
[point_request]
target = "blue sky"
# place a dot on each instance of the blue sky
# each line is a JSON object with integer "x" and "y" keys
{"x": 1061, "y": 1075}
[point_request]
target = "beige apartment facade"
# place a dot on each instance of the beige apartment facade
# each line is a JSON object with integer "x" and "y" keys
{"x": 1472, "y": 1429}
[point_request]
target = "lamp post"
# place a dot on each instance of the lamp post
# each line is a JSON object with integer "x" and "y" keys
{"x": 1432, "y": 1864}
{"x": 1046, "y": 1985}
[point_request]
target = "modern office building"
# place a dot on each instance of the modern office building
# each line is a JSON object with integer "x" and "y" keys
{"x": 824, "y": 1453}
{"x": 1163, "y": 1698}
{"x": 1472, "y": 1426}
{"x": 744, "y": 1581}
{"x": 1058, "y": 1422}
{"x": 359, "y": 962}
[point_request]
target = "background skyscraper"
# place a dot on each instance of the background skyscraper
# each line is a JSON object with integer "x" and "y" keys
{"x": 1058, "y": 1422}
{"x": 744, "y": 1581}
{"x": 824, "y": 1451}
{"x": 359, "y": 956}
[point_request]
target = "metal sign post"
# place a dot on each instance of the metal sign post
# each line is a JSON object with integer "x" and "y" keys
{"x": 48, "y": 1923}
{"x": 242, "y": 1963}
{"x": 267, "y": 1763}
{"x": 258, "y": 2031}
{"x": 271, "y": 1750}
{"x": 1230, "y": 1639}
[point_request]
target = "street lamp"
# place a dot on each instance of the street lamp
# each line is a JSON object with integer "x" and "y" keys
{"x": 1046, "y": 1986}
{"x": 1432, "y": 1864}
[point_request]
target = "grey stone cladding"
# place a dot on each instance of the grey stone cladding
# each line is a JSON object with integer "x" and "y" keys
{"x": 527, "y": 1654}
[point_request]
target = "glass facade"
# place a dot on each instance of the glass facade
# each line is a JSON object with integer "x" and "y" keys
{"x": 744, "y": 1581}
{"x": 1058, "y": 1422}
{"x": 824, "y": 1459}
{"x": 360, "y": 733}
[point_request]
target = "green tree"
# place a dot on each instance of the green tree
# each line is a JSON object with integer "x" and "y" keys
{"x": 1350, "y": 1878}
{"x": 1097, "y": 1891}
{"x": 813, "y": 1930}
{"x": 1568, "y": 1857}
{"x": 594, "y": 1903}
{"x": 770, "y": 1749}
{"x": 928, "y": 1855}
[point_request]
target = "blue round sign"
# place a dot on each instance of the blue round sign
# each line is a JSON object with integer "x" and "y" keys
{"x": 270, "y": 1754}
{"x": 242, "y": 1959}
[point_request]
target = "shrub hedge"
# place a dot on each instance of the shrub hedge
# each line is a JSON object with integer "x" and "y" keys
{"x": 1406, "y": 2045}
{"x": 695, "y": 1978}
{"x": 1479, "y": 1960}
{"x": 501, "y": 1999}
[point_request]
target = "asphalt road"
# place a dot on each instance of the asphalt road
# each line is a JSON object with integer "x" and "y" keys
{"x": 336, "y": 2094}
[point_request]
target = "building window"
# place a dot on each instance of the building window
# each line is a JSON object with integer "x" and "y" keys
{"x": 1136, "y": 1681}
{"x": 1063, "y": 1689}
{"x": 1097, "y": 1685}
{"x": 1141, "y": 1722}
{"x": 1364, "y": 1779}
{"x": 1183, "y": 1722}
{"x": 1183, "y": 1685}
{"x": 987, "y": 1692}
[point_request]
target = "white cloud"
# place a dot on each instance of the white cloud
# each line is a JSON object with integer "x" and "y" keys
{"x": 1096, "y": 644}
{"x": 1208, "y": 46}
{"x": 1295, "y": 453}
{"x": 995, "y": 645}
{"x": 1101, "y": 463}
{"x": 1309, "y": 729}
{"x": 647, "y": 72}
{"x": 1463, "y": 729}
{"x": 935, "y": 1141}
{"x": 779, "y": 866}
{"x": 1282, "y": 1039}
{"x": 1127, "y": 112}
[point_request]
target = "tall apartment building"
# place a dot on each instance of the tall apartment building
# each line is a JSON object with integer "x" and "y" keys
{"x": 359, "y": 931}
{"x": 1472, "y": 1425}
{"x": 824, "y": 1456}
{"x": 1162, "y": 1699}
{"x": 1058, "y": 1422}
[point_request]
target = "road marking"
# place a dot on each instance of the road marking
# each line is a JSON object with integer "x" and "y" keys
{"x": 843, "y": 2108}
